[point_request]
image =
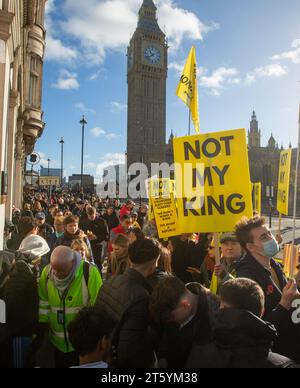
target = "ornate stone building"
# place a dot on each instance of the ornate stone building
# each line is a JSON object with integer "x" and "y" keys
{"x": 147, "y": 75}
{"x": 22, "y": 46}
{"x": 264, "y": 165}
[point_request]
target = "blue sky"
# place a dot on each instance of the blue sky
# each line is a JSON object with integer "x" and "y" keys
{"x": 248, "y": 56}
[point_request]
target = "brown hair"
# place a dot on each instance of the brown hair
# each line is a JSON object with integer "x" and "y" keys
{"x": 82, "y": 245}
{"x": 91, "y": 211}
{"x": 59, "y": 219}
{"x": 165, "y": 298}
{"x": 165, "y": 260}
{"x": 121, "y": 241}
{"x": 120, "y": 264}
{"x": 244, "y": 228}
{"x": 26, "y": 225}
{"x": 37, "y": 206}
{"x": 71, "y": 220}
{"x": 244, "y": 294}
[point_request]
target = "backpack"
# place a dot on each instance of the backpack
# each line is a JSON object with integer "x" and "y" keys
{"x": 19, "y": 291}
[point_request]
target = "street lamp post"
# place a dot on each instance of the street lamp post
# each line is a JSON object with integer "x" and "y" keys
{"x": 62, "y": 142}
{"x": 49, "y": 175}
{"x": 83, "y": 122}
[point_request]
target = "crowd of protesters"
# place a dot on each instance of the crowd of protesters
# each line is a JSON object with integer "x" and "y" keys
{"x": 88, "y": 284}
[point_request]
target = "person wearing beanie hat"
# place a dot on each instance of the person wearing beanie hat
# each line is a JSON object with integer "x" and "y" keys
{"x": 134, "y": 221}
{"x": 125, "y": 299}
{"x": 232, "y": 253}
{"x": 44, "y": 230}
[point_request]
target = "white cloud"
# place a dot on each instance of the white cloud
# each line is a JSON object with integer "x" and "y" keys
{"x": 117, "y": 20}
{"x": 178, "y": 67}
{"x": 180, "y": 23}
{"x": 50, "y": 6}
{"x": 56, "y": 50}
{"x": 118, "y": 107}
{"x": 66, "y": 81}
{"x": 219, "y": 79}
{"x": 291, "y": 55}
{"x": 96, "y": 75}
{"x": 81, "y": 106}
{"x": 109, "y": 159}
{"x": 270, "y": 71}
{"x": 97, "y": 132}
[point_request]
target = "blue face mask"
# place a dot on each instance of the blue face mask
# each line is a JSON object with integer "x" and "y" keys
{"x": 271, "y": 248}
{"x": 59, "y": 234}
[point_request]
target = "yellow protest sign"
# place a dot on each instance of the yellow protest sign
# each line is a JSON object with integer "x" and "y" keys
{"x": 213, "y": 185}
{"x": 284, "y": 181}
{"x": 166, "y": 216}
{"x": 257, "y": 197}
{"x": 159, "y": 188}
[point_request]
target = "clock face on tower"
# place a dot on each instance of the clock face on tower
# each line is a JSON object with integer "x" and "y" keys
{"x": 152, "y": 55}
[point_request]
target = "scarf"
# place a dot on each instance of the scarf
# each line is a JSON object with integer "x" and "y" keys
{"x": 63, "y": 284}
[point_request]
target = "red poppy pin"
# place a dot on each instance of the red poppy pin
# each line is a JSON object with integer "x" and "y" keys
{"x": 270, "y": 289}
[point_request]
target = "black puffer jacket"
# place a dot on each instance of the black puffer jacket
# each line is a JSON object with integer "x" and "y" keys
{"x": 241, "y": 340}
{"x": 288, "y": 332}
{"x": 125, "y": 299}
{"x": 177, "y": 342}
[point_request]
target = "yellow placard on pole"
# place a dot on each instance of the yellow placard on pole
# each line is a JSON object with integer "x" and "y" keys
{"x": 159, "y": 188}
{"x": 166, "y": 216}
{"x": 290, "y": 260}
{"x": 284, "y": 182}
{"x": 213, "y": 185}
{"x": 257, "y": 197}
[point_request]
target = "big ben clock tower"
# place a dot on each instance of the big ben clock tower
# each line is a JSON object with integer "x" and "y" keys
{"x": 147, "y": 75}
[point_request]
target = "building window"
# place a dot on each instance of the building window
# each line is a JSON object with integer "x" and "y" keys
{"x": 34, "y": 98}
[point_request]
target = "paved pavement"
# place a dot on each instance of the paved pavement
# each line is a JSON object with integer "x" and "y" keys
{"x": 286, "y": 229}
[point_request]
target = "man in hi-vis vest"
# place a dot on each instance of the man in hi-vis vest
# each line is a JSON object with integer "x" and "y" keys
{"x": 66, "y": 286}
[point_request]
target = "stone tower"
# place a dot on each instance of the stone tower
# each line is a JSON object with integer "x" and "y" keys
{"x": 254, "y": 135}
{"x": 146, "y": 78}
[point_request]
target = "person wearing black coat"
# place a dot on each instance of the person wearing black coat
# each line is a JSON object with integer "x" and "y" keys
{"x": 97, "y": 226}
{"x": 19, "y": 290}
{"x": 187, "y": 254}
{"x": 188, "y": 314}
{"x": 259, "y": 266}
{"x": 241, "y": 338}
{"x": 125, "y": 300}
{"x": 111, "y": 218}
